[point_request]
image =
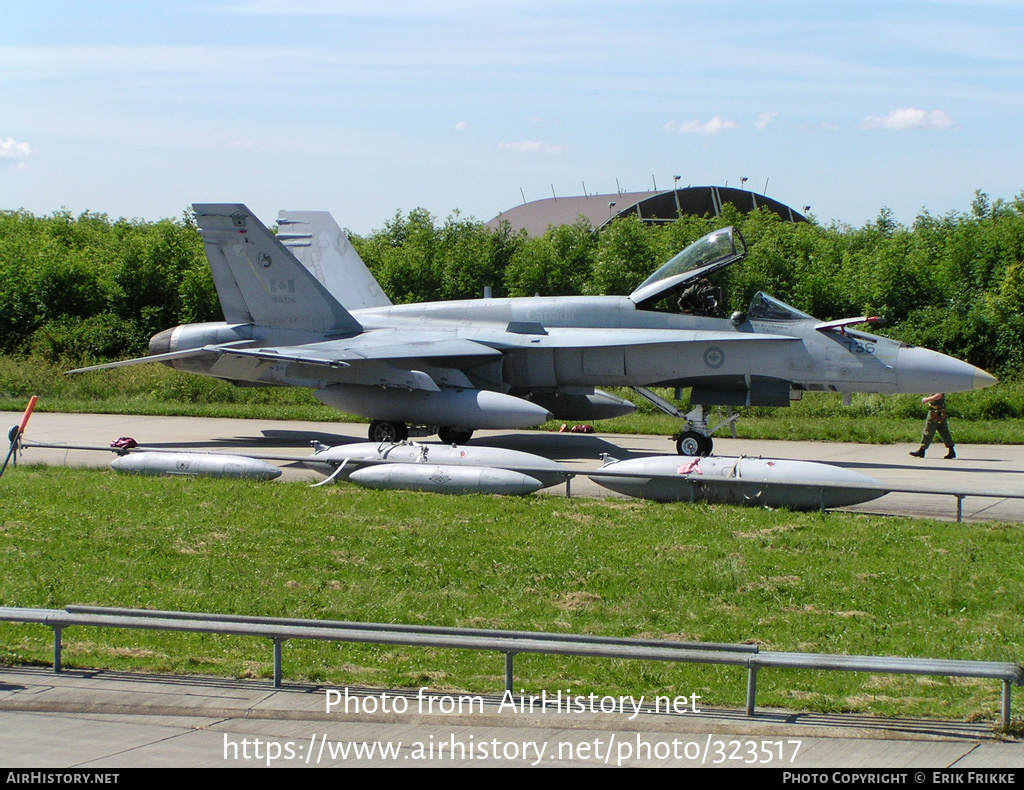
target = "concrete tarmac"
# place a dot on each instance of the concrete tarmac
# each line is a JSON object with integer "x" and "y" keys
{"x": 101, "y": 720}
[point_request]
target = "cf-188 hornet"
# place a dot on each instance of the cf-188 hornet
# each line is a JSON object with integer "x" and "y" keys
{"x": 301, "y": 309}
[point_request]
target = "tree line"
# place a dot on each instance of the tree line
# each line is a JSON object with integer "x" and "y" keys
{"x": 91, "y": 288}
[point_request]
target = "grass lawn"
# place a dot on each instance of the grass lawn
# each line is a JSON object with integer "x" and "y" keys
{"x": 835, "y": 583}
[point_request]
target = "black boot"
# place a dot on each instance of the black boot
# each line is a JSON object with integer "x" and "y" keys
{"x": 918, "y": 453}
{"x": 950, "y": 454}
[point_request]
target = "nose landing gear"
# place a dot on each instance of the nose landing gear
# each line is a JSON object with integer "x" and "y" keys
{"x": 693, "y": 443}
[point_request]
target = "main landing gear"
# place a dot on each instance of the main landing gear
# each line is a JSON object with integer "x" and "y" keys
{"x": 384, "y": 431}
{"x": 388, "y": 431}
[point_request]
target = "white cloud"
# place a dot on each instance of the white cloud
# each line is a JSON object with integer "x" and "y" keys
{"x": 533, "y": 147}
{"x": 909, "y": 118}
{"x": 13, "y": 153}
{"x": 716, "y": 125}
{"x": 821, "y": 126}
{"x": 764, "y": 119}
{"x": 461, "y": 126}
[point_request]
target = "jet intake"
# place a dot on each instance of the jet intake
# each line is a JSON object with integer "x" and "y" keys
{"x": 762, "y": 392}
{"x": 455, "y": 408}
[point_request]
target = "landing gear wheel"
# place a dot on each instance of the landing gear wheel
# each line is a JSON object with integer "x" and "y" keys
{"x": 454, "y": 435}
{"x": 691, "y": 443}
{"x": 384, "y": 431}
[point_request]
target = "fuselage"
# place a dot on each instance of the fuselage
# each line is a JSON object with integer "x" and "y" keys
{"x": 553, "y": 343}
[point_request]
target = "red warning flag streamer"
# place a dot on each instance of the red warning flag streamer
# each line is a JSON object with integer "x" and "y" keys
{"x": 28, "y": 413}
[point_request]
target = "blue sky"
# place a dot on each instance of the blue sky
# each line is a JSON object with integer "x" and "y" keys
{"x": 368, "y": 108}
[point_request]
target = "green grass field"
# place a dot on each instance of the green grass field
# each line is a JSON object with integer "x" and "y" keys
{"x": 839, "y": 583}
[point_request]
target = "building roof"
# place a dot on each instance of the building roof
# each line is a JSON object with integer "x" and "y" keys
{"x": 537, "y": 216}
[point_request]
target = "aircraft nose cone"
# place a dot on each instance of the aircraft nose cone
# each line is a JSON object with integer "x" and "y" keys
{"x": 922, "y": 371}
{"x": 983, "y": 379}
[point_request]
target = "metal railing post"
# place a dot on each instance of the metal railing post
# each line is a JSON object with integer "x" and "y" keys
{"x": 277, "y": 663}
{"x": 509, "y": 658}
{"x": 57, "y": 649}
{"x": 751, "y": 690}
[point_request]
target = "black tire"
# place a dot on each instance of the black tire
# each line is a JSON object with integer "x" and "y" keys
{"x": 708, "y": 446}
{"x": 384, "y": 431}
{"x": 690, "y": 443}
{"x": 454, "y": 435}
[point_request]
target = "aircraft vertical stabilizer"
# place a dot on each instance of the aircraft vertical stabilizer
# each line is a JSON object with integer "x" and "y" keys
{"x": 323, "y": 248}
{"x": 259, "y": 281}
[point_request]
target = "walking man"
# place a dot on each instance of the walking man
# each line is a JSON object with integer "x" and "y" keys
{"x": 937, "y": 421}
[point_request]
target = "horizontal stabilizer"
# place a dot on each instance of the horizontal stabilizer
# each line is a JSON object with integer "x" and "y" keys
{"x": 190, "y": 352}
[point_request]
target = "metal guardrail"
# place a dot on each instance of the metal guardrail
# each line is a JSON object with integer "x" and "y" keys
{"x": 960, "y": 494}
{"x": 510, "y": 643}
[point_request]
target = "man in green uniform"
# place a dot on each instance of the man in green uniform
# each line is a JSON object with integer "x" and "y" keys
{"x": 938, "y": 420}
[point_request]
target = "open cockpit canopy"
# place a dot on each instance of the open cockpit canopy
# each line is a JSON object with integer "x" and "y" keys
{"x": 704, "y": 257}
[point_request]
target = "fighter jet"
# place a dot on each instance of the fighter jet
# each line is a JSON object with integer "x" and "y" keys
{"x": 301, "y": 309}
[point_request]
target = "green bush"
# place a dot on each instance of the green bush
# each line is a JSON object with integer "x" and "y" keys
{"x": 86, "y": 287}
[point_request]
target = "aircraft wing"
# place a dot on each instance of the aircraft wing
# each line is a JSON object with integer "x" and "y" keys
{"x": 451, "y": 348}
{"x": 378, "y": 361}
{"x": 370, "y": 347}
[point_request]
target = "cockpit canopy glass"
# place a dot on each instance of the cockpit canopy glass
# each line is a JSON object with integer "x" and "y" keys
{"x": 767, "y": 308}
{"x": 705, "y": 256}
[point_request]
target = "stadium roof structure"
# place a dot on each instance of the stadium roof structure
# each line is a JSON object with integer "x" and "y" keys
{"x": 652, "y": 207}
